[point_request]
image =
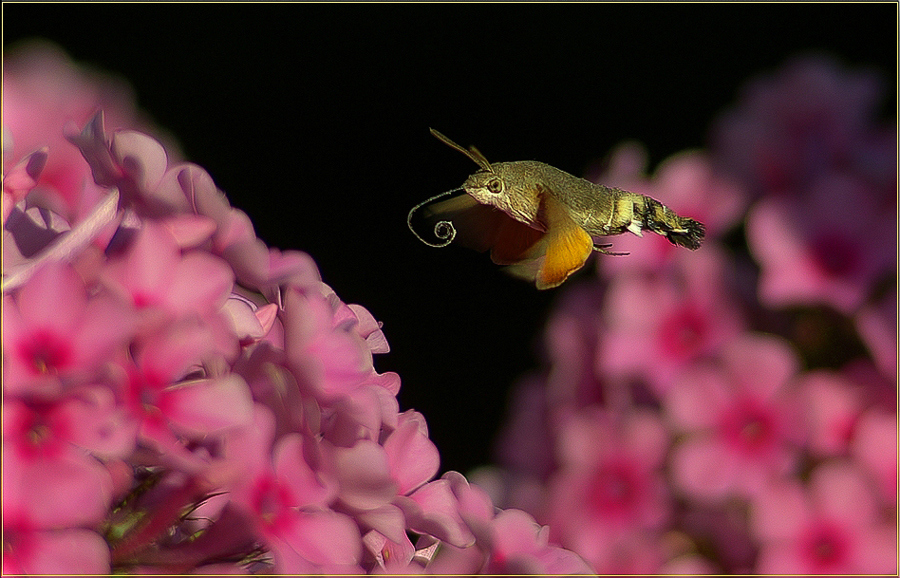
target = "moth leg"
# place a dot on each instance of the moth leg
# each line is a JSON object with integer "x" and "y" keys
{"x": 603, "y": 249}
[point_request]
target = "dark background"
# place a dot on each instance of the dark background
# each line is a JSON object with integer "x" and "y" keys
{"x": 314, "y": 120}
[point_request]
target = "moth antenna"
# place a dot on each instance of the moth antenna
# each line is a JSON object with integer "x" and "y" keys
{"x": 473, "y": 153}
{"x": 443, "y": 230}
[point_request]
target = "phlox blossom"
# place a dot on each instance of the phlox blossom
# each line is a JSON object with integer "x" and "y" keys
{"x": 749, "y": 429}
{"x": 813, "y": 250}
{"x": 608, "y": 489}
{"x": 505, "y": 542}
{"x": 286, "y": 502}
{"x": 830, "y": 527}
{"x": 793, "y": 124}
{"x": 874, "y": 446}
{"x": 42, "y": 92}
{"x": 56, "y": 335}
{"x": 654, "y": 327}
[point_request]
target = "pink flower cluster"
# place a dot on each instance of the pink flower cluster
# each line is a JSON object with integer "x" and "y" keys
{"x": 180, "y": 398}
{"x": 731, "y": 409}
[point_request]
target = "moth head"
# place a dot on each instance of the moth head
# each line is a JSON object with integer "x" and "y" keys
{"x": 487, "y": 187}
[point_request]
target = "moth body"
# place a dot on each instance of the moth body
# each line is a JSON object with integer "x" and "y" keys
{"x": 542, "y": 221}
{"x": 601, "y": 211}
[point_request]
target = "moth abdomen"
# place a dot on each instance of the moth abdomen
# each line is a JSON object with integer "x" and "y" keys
{"x": 679, "y": 230}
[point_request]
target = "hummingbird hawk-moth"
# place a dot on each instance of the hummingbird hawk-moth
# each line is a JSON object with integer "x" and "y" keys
{"x": 540, "y": 221}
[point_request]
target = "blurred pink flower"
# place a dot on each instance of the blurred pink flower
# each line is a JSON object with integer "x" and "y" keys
{"x": 609, "y": 484}
{"x": 832, "y": 405}
{"x": 792, "y": 125}
{"x": 830, "y": 527}
{"x": 506, "y": 542}
{"x": 20, "y": 179}
{"x": 874, "y": 446}
{"x": 69, "y": 551}
{"x": 877, "y": 325}
{"x": 162, "y": 364}
{"x": 748, "y": 430}
{"x": 812, "y": 251}
{"x": 654, "y": 327}
{"x": 668, "y": 339}
{"x": 43, "y": 91}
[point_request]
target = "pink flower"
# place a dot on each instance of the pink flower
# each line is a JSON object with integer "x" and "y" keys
{"x": 654, "y": 327}
{"x": 748, "y": 430}
{"x": 571, "y": 339}
{"x": 608, "y": 484}
{"x": 831, "y": 527}
{"x": 508, "y": 542}
{"x": 50, "y": 482}
{"x": 163, "y": 284}
{"x": 53, "y": 488}
{"x": 42, "y": 92}
{"x": 328, "y": 360}
{"x": 810, "y": 252}
{"x": 20, "y": 180}
{"x": 874, "y": 447}
{"x": 832, "y": 405}
{"x": 521, "y": 546}
{"x": 174, "y": 402}
{"x": 201, "y": 397}
{"x": 33, "y": 551}
{"x": 286, "y": 501}
{"x": 877, "y": 325}
{"x": 794, "y": 124}
{"x": 56, "y": 336}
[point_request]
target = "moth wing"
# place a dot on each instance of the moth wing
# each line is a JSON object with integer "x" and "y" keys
{"x": 566, "y": 246}
{"x": 546, "y": 258}
{"x": 482, "y": 227}
{"x": 515, "y": 242}
{"x": 475, "y": 224}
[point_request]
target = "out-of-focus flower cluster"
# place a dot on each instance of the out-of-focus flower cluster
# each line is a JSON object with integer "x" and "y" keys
{"x": 180, "y": 398}
{"x": 731, "y": 409}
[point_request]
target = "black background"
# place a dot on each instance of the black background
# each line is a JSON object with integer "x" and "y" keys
{"x": 314, "y": 120}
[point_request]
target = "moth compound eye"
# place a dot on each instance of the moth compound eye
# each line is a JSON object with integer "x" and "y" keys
{"x": 495, "y": 186}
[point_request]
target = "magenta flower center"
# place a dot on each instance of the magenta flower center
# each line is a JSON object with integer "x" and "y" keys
{"x": 615, "y": 489}
{"x": 271, "y": 501}
{"x": 46, "y": 353}
{"x": 683, "y": 334}
{"x": 825, "y": 546}
{"x": 43, "y": 437}
{"x": 749, "y": 427}
{"x": 837, "y": 255}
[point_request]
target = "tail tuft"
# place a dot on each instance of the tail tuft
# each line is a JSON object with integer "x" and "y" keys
{"x": 690, "y": 235}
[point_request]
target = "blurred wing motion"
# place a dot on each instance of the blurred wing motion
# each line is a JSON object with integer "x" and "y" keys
{"x": 546, "y": 258}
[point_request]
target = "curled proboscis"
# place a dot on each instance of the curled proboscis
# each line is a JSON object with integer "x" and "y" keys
{"x": 443, "y": 230}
